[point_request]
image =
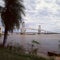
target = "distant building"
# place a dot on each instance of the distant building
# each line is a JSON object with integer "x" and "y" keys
{"x": 39, "y": 29}
{"x": 23, "y": 28}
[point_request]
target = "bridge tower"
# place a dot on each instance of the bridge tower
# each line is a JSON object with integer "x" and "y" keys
{"x": 39, "y": 29}
{"x": 23, "y": 28}
{"x": 0, "y": 30}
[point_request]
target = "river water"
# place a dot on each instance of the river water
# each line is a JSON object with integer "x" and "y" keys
{"x": 48, "y": 42}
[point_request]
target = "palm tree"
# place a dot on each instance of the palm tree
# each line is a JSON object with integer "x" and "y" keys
{"x": 1, "y": 9}
{"x": 11, "y": 16}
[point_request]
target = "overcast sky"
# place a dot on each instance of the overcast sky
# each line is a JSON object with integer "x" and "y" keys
{"x": 42, "y": 12}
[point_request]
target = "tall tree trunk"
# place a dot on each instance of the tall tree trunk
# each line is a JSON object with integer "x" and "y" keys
{"x": 5, "y": 36}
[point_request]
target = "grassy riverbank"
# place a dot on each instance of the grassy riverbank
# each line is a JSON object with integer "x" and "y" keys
{"x": 9, "y": 54}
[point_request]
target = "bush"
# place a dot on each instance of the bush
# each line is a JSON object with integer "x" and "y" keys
{"x": 7, "y": 54}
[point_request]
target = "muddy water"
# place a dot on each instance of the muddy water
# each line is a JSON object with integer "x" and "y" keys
{"x": 48, "y": 42}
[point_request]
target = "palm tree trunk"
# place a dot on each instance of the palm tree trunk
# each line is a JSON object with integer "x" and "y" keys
{"x": 5, "y": 36}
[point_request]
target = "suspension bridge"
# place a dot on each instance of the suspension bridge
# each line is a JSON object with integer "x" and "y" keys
{"x": 24, "y": 29}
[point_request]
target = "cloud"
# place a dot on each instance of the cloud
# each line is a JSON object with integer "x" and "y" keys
{"x": 2, "y": 3}
{"x": 42, "y": 12}
{"x": 58, "y": 2}
{"x": 48, "y": 1}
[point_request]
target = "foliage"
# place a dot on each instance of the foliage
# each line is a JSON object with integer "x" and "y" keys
{"x": 1, "y": 9}
{"x": 12, "y": 16}
{"x": 34, "y": 47}
{"x": 7, "y": 54}
{"x": 16, "y": 48}
{"x": 35, "y": 42}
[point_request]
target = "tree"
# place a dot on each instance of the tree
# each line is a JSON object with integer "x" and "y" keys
{"x": 1, "y": 9}
{"x": 11, "y": 16}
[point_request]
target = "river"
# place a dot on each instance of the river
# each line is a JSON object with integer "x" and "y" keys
{"x": 48, "y": 42}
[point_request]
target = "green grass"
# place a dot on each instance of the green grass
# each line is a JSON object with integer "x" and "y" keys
{"x": 7, "y": 54}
